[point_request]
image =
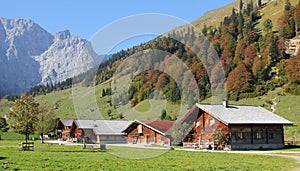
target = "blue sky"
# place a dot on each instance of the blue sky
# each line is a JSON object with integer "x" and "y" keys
{"x": 85, "y": 18}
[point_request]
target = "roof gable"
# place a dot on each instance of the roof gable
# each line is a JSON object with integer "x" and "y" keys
{"x": 161, "y": 126}
{"x": 66, "y": 122}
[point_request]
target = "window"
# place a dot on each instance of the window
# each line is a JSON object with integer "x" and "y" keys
{"x": 197, "y": 124}
{"x": 271, "y": 135}
{"x": 140, "y": 129}
{"x": 258, "y": 135}
{"x": 211, "y": 122}
{"x": 240, "y": 135}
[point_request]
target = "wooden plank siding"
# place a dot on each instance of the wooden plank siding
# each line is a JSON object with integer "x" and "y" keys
{"x": 146, "y": 136}
{"x": 111, "y": 139}
{"x": 204, "y": 128}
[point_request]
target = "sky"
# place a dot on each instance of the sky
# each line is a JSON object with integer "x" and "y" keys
{"x": 86, "y": 18}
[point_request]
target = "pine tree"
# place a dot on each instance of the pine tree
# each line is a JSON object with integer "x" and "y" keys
{"x": 163, "y": 114}
{"x": 273, "y": 50}
{"x": 204, "y": 30}
{"x": 103, "y": 92}
{"x": 268, "y": 25}
{"x": 241, "y": 25}
{"x": 259, "y": 3}
{"x": 288, "y": 5}
{"x": 241, "y": 6}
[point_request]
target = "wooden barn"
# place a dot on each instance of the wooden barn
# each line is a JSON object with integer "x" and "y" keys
{"x": 100, "y": 131}
{"x": 149, "y": 132}
{"x": 247, "y": 127}
{"x": 63, "y": 129}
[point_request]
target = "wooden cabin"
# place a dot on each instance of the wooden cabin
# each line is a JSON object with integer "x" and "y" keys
{"x": 247, "y": 127}
{"x": 63, "y": 129}
{"x": 100, "y": 131}
{"x": 149, "y": 132}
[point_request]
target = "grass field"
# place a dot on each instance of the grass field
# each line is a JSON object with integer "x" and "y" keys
{"x": 57, "y": 157}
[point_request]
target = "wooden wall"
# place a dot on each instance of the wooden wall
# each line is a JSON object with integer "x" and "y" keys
{"x": 204, "y": 128}
{"x": 257, "y": 136}
{"x": 111, "y": 139}
{"x": 147, "y": 136}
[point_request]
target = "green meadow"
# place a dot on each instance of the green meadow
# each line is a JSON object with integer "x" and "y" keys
{"x": 59, "y": 157}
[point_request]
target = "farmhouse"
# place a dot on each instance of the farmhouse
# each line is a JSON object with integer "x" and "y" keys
{"x": 63, "y": 129}
{"x": 149, "y": 132}
{"x": 247, "y": 127}
{"x": 99, "y": 131}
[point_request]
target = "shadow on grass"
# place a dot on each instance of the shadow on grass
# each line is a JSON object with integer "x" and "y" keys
{"x": 2, "y": 158}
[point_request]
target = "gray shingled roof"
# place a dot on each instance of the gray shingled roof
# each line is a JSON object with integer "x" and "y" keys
{"x": 66, "y": 122}
{"x": 234, "y": 114}
{"x": 104, "y": 127}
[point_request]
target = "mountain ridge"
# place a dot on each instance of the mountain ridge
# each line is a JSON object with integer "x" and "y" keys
{"x": 29, "y": 55}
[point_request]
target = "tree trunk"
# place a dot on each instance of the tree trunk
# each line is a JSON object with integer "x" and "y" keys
{"x": 26, "y": 138}
{"x": 42, "y": 138}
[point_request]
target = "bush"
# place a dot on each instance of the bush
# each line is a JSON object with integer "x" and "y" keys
{"x": 293, "y": 88}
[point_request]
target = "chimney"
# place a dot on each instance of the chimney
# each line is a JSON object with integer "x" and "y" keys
{"x": 225, "y": 103}
{"x": 95, "y": 124}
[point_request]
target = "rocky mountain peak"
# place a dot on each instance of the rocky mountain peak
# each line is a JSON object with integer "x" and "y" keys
{"x": 29, "y": 55}
{"x": 65, "y": 34}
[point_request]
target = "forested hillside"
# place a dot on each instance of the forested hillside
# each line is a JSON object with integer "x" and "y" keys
{"x": 253, "y": 56}
{"x": 254, "y": 61}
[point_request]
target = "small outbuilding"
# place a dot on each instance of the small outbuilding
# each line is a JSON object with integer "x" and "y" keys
{"x": 149, "y": 132}
{"x": 246, "y": 127}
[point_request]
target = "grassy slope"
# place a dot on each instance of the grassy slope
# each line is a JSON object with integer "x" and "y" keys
{"x": 90, "y": 104}
{"x": 273, "y": 11}
{"x": 55, "y": 157}
{"x": 214, "y": 17}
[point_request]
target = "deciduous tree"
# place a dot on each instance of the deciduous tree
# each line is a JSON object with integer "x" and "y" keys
{"x": 179, "y": 132}
{"x": 240, "y": 79}
{"x": 293, "y": 69}
{"x": 3, "y": 125}
{"x": 23, "y": 115}
{"x": 45, "y": 117}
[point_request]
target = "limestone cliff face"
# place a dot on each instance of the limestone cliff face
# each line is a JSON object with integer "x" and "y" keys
{"x": 29, "y": 55}
{"x": 67, "y": 57}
